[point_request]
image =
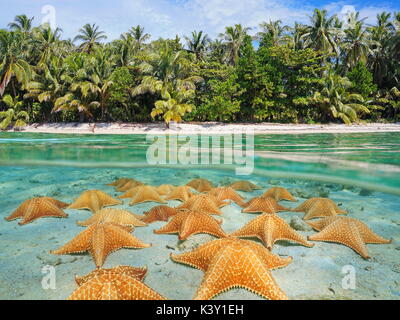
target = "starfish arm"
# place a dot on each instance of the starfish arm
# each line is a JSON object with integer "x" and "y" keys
{"x": 369, "y": 236}
{"x": 78, "y": 244}
{"x": 91, "y": 220}
{"x": 41, "y": 209}
{"x": 137, "y": 273}
{"x": 232, "y": 268}
{"x": 200, "y": 223}
{"x": 172, "y": 226}
{"x": 344, "y": 233}
{"x": 19, "y": 212}
{"x": 251, "y": 229}
{"x": 283, "y": 231}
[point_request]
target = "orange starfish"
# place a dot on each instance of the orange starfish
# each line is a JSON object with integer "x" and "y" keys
{"x": 244, "y": 186}
{"x": 132, "y": 183}
{"x": 36, "y": 208}
{"x": 319, "y": 207}
{"x": 93, "y": 200}
{"x": 165, "y": 189}
{"x": 100, "y": 240}
{"x": 159, "y": 213}
{"x": 279, "y": 193}
{"x": 232, "y": 262}
{"x": 114, "y": 286}
{"x": 116, "y": 216}
{"x": 270, "y": 228}
{"x": 263, "y": 204}
{"x": 201, "y": 185}
{"x": 226, "y": 193}
{"x": 181, "y": 193}
{"x": 119, "y": 182}
{"x": 203, "y": 202}
{"x": 188, "y": 222}
{"x": 137, "y": 273}
{"x": 348, "y": 231}
{"x": 145, "y": 194}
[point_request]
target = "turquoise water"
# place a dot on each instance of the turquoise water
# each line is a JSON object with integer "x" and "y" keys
{"x": 360, "y": 172}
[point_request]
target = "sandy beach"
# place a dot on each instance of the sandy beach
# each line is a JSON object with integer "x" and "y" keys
{"x": 207, "y": 127}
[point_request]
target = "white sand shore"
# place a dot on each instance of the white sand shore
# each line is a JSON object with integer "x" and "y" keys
{"x": 207, "y": 127}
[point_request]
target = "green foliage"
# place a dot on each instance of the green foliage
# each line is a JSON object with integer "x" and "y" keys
{"x": 361, "y": 80}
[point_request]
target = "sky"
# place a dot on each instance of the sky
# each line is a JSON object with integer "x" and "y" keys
{"x": 166, "y": 18}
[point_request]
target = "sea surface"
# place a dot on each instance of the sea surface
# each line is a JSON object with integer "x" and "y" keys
{"x": 360, "y": 172}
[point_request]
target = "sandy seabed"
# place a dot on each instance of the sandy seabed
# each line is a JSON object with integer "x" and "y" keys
{"x": 208, "y": 127}
{"x": 315, "y": 273}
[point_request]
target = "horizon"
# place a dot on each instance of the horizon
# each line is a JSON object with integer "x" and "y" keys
{"x": 168, "y": 18}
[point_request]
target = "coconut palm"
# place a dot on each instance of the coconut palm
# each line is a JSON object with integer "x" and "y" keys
{"x": 47, "y": 43}
{"x": 295, "y": 39}
{"x": 90, "y": 37}
{"x": 321, "y": 33}
{"x": 168, "y": 77}
{"x": 336, "y": 102}
{"x": 197, "y": 44}
{"x": 21, "y": 23}
{"x": 139, "y": 35}
{"x": 13, "y": 116}
{"x": 13, "y": 63}
{"x": 233, "y": 40}
{"x": 273, "y": 31}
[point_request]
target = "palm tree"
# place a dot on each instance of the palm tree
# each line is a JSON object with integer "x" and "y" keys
{"x": 139, "y": 35}
{"x": 168, "y": 77}
{"x": 217, "y": 49}
{"x": 13, "y": 115}
{"x": 197, "y": 44}
{"x": 47, "y": 43}
{"x": 321, "y": 33}
{"x": 13, "y": 60}
{"x": 273, "y": 31}
{"x": 337, "y": 101}
{"x": 90, "y": 37}
{"x": 295, "y": 40}
{"x": 233, "y": 40}
{"x": 21, "y": 23}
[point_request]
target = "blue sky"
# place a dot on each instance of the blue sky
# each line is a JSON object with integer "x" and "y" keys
{"x": 165, "y": 18}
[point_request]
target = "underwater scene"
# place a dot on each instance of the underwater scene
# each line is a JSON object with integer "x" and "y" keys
{"x": 90, "y": 217}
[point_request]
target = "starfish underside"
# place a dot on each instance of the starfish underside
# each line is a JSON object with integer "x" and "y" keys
{"x": 93, "y": 200}
{"x": 319, "y": 207}
{"x": 231, "y": 262}
{"x": 116, "y": 216}
{"x": 36, "y": 208}
{"x": 270, "y": 228}
{"x": 100, "y": 240}
{"x": 348, "y": 231}
{"x": 188, "y": 222}
{"x": 279, "y": 193}
{"x": 159, "y": 213}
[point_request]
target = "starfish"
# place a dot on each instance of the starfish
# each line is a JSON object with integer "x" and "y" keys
{"x": 145, "y": 194}
{"x": 100, "y": 239}
{"x": 119, "y": 182}
{"x": 318, "y": 207}
{"x": 93, "y": 200}
{"x": 348, "y": 231}
{"x": 165, "y": 189}
{"x": 159, "y": 213}
{"x": 181, "y": 193}
{"x": 129, "y": 185}
{"x": 269, "y": 228}
{"x": 231, "y": 262}
{"x": 201, "y": 185}
{"x": 188, "y": 222}
{"x": 244, "y": 186}
{"x": 36, "y": 208}
{"x": 226, "y": 193}
{"x": 137, "y": 273}
{"x": 203, "y": 202}
{"x": 279, "y": 193}
{"x": 116, "y": 216}
{"x": 262, "y": 204}
{"x": 114, "y": 286}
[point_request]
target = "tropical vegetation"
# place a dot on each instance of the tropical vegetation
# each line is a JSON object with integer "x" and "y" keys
{"x": 328, "y": 70}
